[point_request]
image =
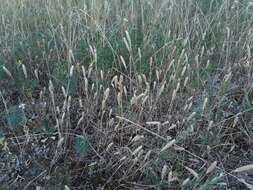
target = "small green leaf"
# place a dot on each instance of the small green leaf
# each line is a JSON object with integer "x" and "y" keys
{"x": 81, "y": 146}
{"x": 16, "y": 117}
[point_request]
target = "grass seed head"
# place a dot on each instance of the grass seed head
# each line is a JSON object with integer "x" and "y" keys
{"x": 71, "y": 71}
{"x": 123, "y": 62}
{"x": 211, "y": 167}
{"x": 7, "y": 72}
{"x": 24, "y": 71}
{"x": 164, "y": 171}
{"x": 137, "y": 150}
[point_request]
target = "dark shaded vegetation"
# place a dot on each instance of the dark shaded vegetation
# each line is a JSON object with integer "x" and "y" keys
{"x": 126, "y": 94}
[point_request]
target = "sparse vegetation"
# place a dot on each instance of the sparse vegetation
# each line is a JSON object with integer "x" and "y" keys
{"x": 113, "y": 94}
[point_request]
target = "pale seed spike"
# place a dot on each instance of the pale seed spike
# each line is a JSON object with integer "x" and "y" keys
{"x": 173, "y": 96}
{"x": 109, "y": 146}
{"x": 7, "y": 72}
{"x": 71, "y": 71}
{"x": 170, "y": 176}
{"x": 191, "y": 116}
{"x": 137, "y": 138}
{"x": 186, "y": 81}
{"x": 125, "y": 91}
{"x": 195, "y": 174}
{"x": 210, "y": 125}
{"x": 106, "y": 94}
{"x": 202, "y": 51}
{"x": 137, "y": 150}
{"x": 83, "y": 71}
{"x": 36, "y": 74}
{"x": 64, "y": 91}
{"x": 153, "y": 123}
{"x": 95, "y": 96}
{"x": 133, "y": 100}
{"x": 119, "y": 99}
{"x": 185, "y": 181}
{"x": 190, "y": 105}
{"x": 81, "y": 119}
{"x": 211, "y": 167}
{"x": 236, "y": 119}
{"x": 24, "y": 71}
{"x": 126, "y": 44}
{"x": 144, "y": 100}
{"x": 243, "y": 168}
{"x": 110, "y": 113}
{"x": 95, "y": 55}
{"x": 204, "y": 104}
{"x": 140, "y": 96}
{"x": 144, "y": 78}
{"x": 102, "y": 74}
{"x": 154, "y": 85}
{"x": 114, "y": 81}
{"x": 161, "y": 89}
{"x": 91, "y": 50}
{"x": 178, "y": 86}
{"x": 228, "y": 76}
{"x": 123, "y": 62}
{"x": 170, "y": 65}
{"x": 90, "y": 70}
{"x": 164, "y": 171}
{"x": 86, "y": 85}
{"x": 139, "y": 80}
{"x": 128, "y": 38}
{"x": 248, "y": 50}
{"x": 168, "y": 145}
{"x": 147, "y": 155}
{"x": 207, "y": 64}
{"x": 80, "y": 102}
{"x": 183, "y": 71}
{"x": 103, "y": 105}
{"x": 111, "y": 122}
{"x": 157, "y": 75}
{"x": 139, "y": 53}
{"x": 92, "y": 86}
{"x": 51, "y": 87}
{"x": 140, "y": 154}
{"x": 123, "y": 158}
{"x": 147, "y": 90}
{"x": 60, "y": 142}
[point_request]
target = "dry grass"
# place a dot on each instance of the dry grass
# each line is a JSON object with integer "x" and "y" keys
{"x": 126, "y": 94}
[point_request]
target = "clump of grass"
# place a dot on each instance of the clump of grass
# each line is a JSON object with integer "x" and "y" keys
{"x": 126, "y": 94}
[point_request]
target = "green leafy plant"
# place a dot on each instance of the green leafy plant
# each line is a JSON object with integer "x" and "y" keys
{"x": 16, "y": 117}
{"x": 81, "y": 146}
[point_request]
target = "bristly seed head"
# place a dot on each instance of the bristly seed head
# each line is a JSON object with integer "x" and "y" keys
{"x": 7, "y": 72}
{"x": 71, "y": 71}
{"x": 24, "y": 71}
